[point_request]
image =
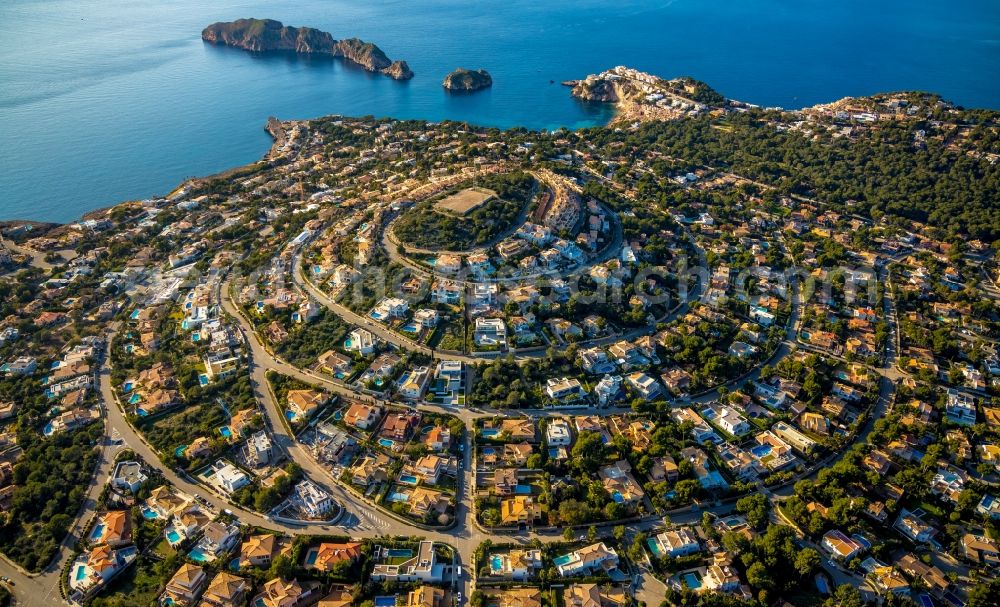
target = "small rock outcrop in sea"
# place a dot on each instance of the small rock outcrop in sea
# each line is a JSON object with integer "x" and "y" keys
{"x": 265, "y": 35}
{"x": 467, "y": 80}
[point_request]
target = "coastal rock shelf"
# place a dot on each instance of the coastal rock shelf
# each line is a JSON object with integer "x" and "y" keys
{"x": 467, "y": 80}
{"x": 268, "y": 35}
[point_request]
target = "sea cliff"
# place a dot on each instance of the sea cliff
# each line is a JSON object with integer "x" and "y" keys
{"x": 267, "y": 35}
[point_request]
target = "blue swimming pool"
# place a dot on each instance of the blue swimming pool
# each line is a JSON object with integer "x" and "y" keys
{"x": 198, "y": 556}
{"x": 347, "y": 343}
{"x": 397, "y": 496}
{"x": 135, "y": 398}
{"x": 203, "y": 379}
{"x": 489, "y": 451}
{"x": 173, "y": 537}
{"x": 496, "y": 563}
{"x": 135, "y": 314}
{"x": 385, "y": 442}
{"x": 97, "y": 532}
{"x": 562, "y": 560}
{"x": 290, "y": 415}
{"x": 311, "y": 556}
{"x": 691, "y": 580}
{"x": 226, "y": 432}
{"x": 760, "y": 450}
{"x": 385, "y": 601}
{"x": 149, "y": 514}
{"x": 81, "y": 573}
{"x": 399, "y": 552}
{"x": 408, "y": 479}
{"x": 654, "y": 547}
{"x": 48, "y": 429}
{"x": 522, "y": 489}
{"x": 490, "y": 432}
{"x": 127, "y": 387}
{"x": 179, "y": 451}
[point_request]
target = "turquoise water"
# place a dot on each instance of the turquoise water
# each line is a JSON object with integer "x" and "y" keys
{"x": 496, "y": 562}
{"x": 654, "y": 547}
{"x": 106, "y": 100}
{"x": 173, "y": 537}
{"x": 692, "y": 581}
{"x": 198, "y": 556}
{"x": 81, "y": 573}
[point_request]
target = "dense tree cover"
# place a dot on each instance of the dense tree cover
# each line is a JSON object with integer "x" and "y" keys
{"x": 305, "y": 342}
{"x": 51, "y": 478}
{"x": 695, "y": 90}
{"x": 881, "y": 172}
{"x": 500, "y": 384}
{"x": 985, "y": 594}
{"x": 774, "y": 564}
{"x": 432, "y": 228}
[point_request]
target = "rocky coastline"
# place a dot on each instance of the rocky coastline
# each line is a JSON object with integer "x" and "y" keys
{"x": 268, "y": 35}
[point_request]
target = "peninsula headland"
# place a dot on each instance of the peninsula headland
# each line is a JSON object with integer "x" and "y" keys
{"x": 268, "y": 35}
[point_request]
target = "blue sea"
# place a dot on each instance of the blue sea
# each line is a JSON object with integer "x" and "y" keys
{"x": 110, "y": 100}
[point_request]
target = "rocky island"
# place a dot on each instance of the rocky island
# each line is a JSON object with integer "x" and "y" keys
{"x": 268, "y": 35}
{"x": 467, "y": 80}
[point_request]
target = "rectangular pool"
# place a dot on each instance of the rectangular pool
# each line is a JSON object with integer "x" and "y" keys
{"x": 399, "y": 552}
